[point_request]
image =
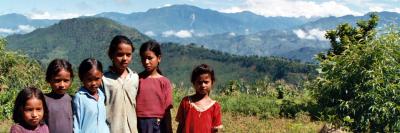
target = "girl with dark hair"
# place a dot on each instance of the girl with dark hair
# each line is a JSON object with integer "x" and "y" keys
{"x": 88, "y": 103}
{"x": 30, "y": 110}
{"x": 120, "y": 85}
{"x": 199, "y": 113}
{"x": 59, "y": 75}
{"x": 154, "y": 99}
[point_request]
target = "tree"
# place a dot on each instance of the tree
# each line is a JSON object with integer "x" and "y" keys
{"x": 359, "y": 78}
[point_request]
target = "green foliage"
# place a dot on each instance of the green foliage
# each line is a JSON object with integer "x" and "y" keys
{"x": 16, "y": 72}
{"x": 359, "y": 82}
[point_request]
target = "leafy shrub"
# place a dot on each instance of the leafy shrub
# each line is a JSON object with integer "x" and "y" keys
{"x": 16, "y": 72}
{"x": 359, "y": 82}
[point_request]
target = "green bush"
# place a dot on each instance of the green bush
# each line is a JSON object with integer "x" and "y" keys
{"x": 359, "y": 82}
{"x": 16, "y": 72}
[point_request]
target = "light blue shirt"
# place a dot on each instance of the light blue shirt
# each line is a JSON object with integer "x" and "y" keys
{"x": 89, "y": 114}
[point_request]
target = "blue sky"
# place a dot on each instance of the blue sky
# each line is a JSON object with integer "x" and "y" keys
{"x": 59, "y": 9}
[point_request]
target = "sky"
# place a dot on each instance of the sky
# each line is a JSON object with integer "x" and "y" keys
{"x": 62, "y": 9}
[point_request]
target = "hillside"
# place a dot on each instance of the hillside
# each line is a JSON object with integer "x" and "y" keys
{"x": 79, "y": 38}
{"x": 200, "y": 21}
{"x": 282, "y": 43}
{"x": 74, "y": 39}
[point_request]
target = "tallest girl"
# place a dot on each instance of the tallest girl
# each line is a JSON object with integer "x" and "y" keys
{"x": 120, "y": 85}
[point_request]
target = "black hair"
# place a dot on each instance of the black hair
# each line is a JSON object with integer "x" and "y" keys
{"x": 56, "y": 66}
{"x": 153, "y": 46}
{"x": 87, "y": 65}
{"x": 202, "y": 69}
{"x": 118, "y": 39}
{"x": 23, "y": 96}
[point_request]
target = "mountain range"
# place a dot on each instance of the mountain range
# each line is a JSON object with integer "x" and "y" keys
{"x": 80, "y": 38}
{"x": 242, "y": 33}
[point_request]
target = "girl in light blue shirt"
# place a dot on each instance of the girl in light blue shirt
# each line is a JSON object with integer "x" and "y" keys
{"x": 88, "y": 104}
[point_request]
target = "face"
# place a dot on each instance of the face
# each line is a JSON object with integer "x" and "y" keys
{"x": 61, "y": 82}
{"x": 92, "y": 80}
{"x": 123, "y": 56}
{"x": 150, "y": 61}
{"x": 203, "y": 84}
{"x": 33, "y": 111}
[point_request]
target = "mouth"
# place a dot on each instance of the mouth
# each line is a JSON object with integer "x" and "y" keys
{"x": 34, "y": 120}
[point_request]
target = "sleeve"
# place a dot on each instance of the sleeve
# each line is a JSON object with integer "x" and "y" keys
{"x": 77, "y": 114}
{"x": 217, "y": 117}
{"x": 180, "y": 114}
{"x": 168, "y": 95}
{"x": 15, "y": 129}
{"x": 105, "y": 91}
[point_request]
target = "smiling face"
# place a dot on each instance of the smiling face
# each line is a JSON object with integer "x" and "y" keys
{"x": 122, "y": 57}
{"x": 92, "y": 80}
{"x": 150, "y": 61}
{"x": 203, "y": 84}
{"x": 33, "y": 111}
{"x": 61, "y": 82}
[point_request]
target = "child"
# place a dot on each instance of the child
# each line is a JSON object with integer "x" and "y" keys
{"x": 59, "y": 75}
{"x": 120, "y": 86}
{"x": 88, "y": 103}
{"x": 29, "y": 112}
{"x": 198, "y": 113}
{"x": 154, "y": 99}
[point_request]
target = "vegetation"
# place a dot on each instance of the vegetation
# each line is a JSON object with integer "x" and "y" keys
{"x": 359, "y": 82}
{"x": 16, "y": 72}
{"x": 357, "y": 86}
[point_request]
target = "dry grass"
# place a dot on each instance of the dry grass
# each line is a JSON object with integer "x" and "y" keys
{"x": 250, "y": 124}
{"x": 244, "y": 124}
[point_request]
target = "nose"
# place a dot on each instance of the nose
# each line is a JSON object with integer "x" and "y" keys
{"x": 124, "y": 57}
{"x": 62, "y": 84}
{"x": 34, "y": 114}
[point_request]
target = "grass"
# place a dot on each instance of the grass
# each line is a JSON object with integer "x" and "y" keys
{"x": 237, "y": 123}
{"x": 244, "y": 124}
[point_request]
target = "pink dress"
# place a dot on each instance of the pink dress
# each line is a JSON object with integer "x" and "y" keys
{"x": 17, "y": 128}
{"x": 193, "y": 119}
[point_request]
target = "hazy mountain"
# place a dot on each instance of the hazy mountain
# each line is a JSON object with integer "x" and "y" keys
{"x": 79, "y": 38}
{"x": 283, "y": 43}
{"x": 385, "y": 19}
{"x": 19, "y": 24}
{"x": 199, "y": 22}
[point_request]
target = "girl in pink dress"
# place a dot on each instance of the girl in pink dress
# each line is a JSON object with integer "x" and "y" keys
{"x": 198, "y": 113}
{"x": 30, "y": 110}
{"x": 154, "y": 98}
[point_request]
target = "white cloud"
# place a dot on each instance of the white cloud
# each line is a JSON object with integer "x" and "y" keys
{"x": 150, "y": 33}
{"x": 168, "y": 33}
{"x": 376, "y": 9}
{"x": 232, "y": 10}
{"x": 232, "y": 34}
{"x": 290, "y": 8}
{"x": 183, "y": 34}
{"x": 313, "y": 34}
{"x": 39, "y": 14}
{"x": 165, "y": 5}
{"x": 20, "y": 29}
{"x": 6, "y": 31}
{"x": 25, "y": 28}
{"x": 395, "y": 10}
{"x": 180, "y": 34}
